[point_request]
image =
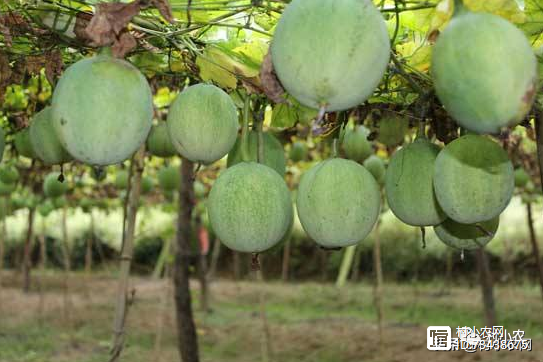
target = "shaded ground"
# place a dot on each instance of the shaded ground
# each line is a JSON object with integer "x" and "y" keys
{"x": 307, "y": 322}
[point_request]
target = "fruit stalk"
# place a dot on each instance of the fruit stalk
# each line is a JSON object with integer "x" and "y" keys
{"x": 245, "y": 131}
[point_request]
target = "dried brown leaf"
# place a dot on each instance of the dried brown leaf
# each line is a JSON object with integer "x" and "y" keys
{"x": 53, "y": 66}
{"x": 82, "y": 20}
{"x": 5, "y": 74}
{"x": 270, "y": 83}
{"x": 4, "y": 30}
{"x": 164, "y": 9}
{"x": 34, "y": 64}
{"x": 109, "y": 20}
{"x": 124, "y": 44}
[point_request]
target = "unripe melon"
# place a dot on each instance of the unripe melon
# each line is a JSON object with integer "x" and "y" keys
{"x": 23, "y": 144}
{"x": 102, "y": 110}
{"x": 121, "y": 180}
{"x": 86, "y": 204}
{"x": 59, "y": 202}
{"x": 521, "y": 177}
{"x": 169, "y": 178}
{"x": 473, "y": 179}
{"x": 376, "y": 166}
{"x": 7, "y": 188}
{"x": 249, "y": 207}
{"x": 484, "y": 72}
{"x": 409, "y": 184}
{"x": 274, "y": 154}
{"x": 392, "y": 129}
{"x": 45, "y": 208}
{"x": 330, "y": 53}
{"x": 45, "y": 141}
{"x": 52, "y": 187}
{"x": 146, "y": 185}
{"x": 17, "y": 202}
{"x": 159, "y": 143}
{"x": 356, "y": 144}
{"x": 298, "y": 151}
{"x": 9, "y": 174}
{"x": 199, "y": 189}
{"x": 203, "y": 123}
{"x": 338, "y": 202}
{"x": 465, "y": 236}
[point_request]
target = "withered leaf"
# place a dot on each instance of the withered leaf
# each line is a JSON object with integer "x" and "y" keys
{"x": 4, "y": 30}
{"x": 53, "y": 66}
{"x": 5, "y": 74}
{"x": 82, "y": 20}
{"x": 34, "y": 63}
{"x": 164, "y": 9}
{"x": 124, "y": 44}
{"x": 270, "y": 84}
{"x": 109, "y": 20}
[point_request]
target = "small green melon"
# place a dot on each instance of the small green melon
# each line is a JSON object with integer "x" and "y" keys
{"x": 45, "y": 208}
{"x": 121, "y": 179}
{"x": 249, "y": 207}
{"x": 473, "y": 179}
{"x": 199, "y": 189}
{"x": 159, "y": 143}
{"x": 356, "y": 144}
{"x": 7, "y": 188}
{"x": 169, "y": 178}
{"x": 23, "y": 145}
{"x": 484, "y": 71}
{"x": 409, "y": 184}
{"x": 45, "y": 141}
{"x": 330, "y": 53}
{"x": 298, "y": 151}
{"x": 102, "y": 110}
{"x": 465, "y": 236}
{"x": 146, "y": 185}
{"x": 86, "y": 204}
{"x": 9, "y": 174}
{"x": 338, "y": 202}
{"x": 52, "y": 187}
{"x": 59, "y": 202}
{"x": 274, "y": 154}
{"x": 376, "y": 166}
{"x": 392, "y": 129}
{"x": 521, "y": 177}
{"x": 203, "y": 123}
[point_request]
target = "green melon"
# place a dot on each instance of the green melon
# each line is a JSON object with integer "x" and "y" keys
{"x": 465, "y": 236}
{"x": 521, "y": 177}
{"x": 409, "y": 184}
{"x": 356, "y": 144}
{"x": 146, "y": 185}
{"x": 52, "y": 187}
{"x": 17, "y": 202}
{"x": 392, "y": 129}
{"x": 473, "y": 179}
{"x": 2, "y": 143}
{"x": 45, "y": 208}
{"x": 199, "y": 189}
{"x": 249, "y": 207}
{"x": 298, "y": 151}
{"x": 121, "y": 179}
{"x": 169, "y": 178}
{"x": 9, "y": 174}
{"x": 484, "y": 71}
{"x": 102, "y": 110}
{"x": 203, "y": 123}
{"x": 7, "y": 188}
{"x": 86, "y": 204}
{"x": 59, "y": 202}
{"x": 376, "y": 166}
{"x": 330, "y": 53}
{"x": 159, "y": 143}
{"x": 274, "y": 154}
{"x": 45, "y": 141}
{"x": 23, "y": 145}
{"x": 338, "y": 202}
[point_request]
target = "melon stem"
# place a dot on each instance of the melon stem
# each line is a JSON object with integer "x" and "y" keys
{"x": 260, "y": 141}
{"x": 320, "y": 115}
{"x": 334, "y": 148}
{"x": 105, "y": 51}
{"x": 421, "y": 130}
{"x": 244, "y": 131}
{"x": 459, "y": 8}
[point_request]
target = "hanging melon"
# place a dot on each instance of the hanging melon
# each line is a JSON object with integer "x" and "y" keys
{"x": 356, "y": 144}
{"x": 465, "y": 236}
{"x": 249, "y": 207}
{"x": 338, "y": 202}
{"x": 169, "y": 178}
{"x": 274, "y": 154}
{"x": 203, "y": 123}
{"x": 298, "y": 151}
{"x": 159, "y": 143}
{"x": 102, "y": 110}
{"x": 484, "y": 71}
{"x": 409, "y": 184}
{"x": 376, "y": 166}
{"x": 45, "y": 141}
{"x": 473, "y": 179}
{"x": 52, "y": 187}
{"x": 330, "y": 54}
{"x": 9, "y": 174}
{"x": 23, "y": 144}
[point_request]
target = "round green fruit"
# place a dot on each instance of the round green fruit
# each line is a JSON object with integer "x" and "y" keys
{"x": 274, "y": 155}
{"x": 249, "y": 207}
{"x": 159, "y": 143}
{"x": 23, "y": 145}
{"x": 376, "y": 166}
{"x": 121, "y": 180}
{"x": 465, "y": 236}
{"x": 7, "y": 189}
{"x": 409, "y": 184}
{"x": 338, "y": 202}
{"x": 45, "y": 141}
{"x": 203, "y": 123}
{"x": 484, "y": 71}
{"x": 102, "y": 110}
{"x": 59, "y": 202}
{"x": 9, "y": 174}
{"x": 521, "y": 177}
{"x": 86, "y": 204}
{"x": 298, "y": 151}
{"x": 356, "y": 144}
{"x": 199, "y": 189}
{"x": 146, "y": 185}
{"x": 473, "y": 179}
{"x": 335, "y": 56}
{"x": 169, "y": 178}
{"x": 52, "y": 187}
{"x": 392, "y": 130}
{"x": 45, "y": 208}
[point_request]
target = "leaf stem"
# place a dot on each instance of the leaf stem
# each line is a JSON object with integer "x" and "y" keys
{"x": 245, "y": 130}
